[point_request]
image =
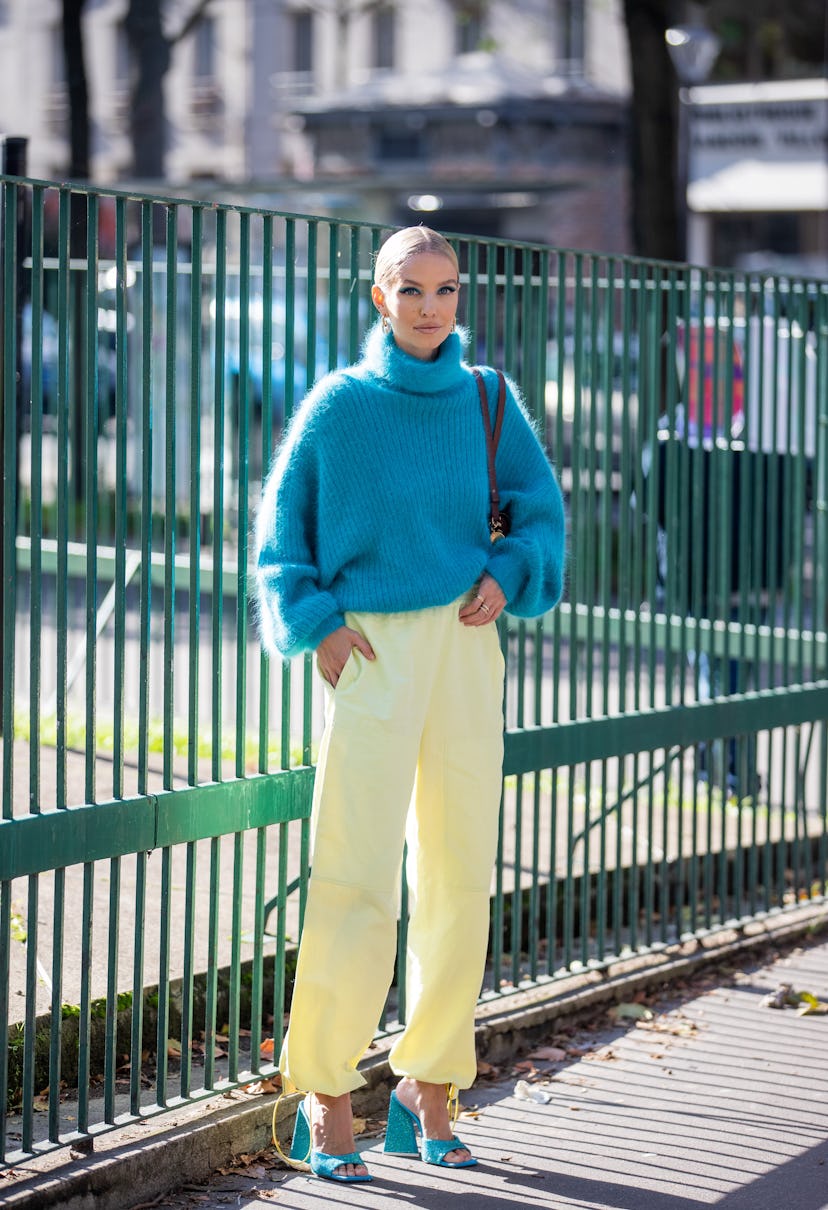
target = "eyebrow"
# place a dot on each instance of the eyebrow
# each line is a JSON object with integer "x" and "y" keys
{"x": 412, "y": 281}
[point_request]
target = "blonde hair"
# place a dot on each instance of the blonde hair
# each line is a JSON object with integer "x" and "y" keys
{"x": 408, "y": 242}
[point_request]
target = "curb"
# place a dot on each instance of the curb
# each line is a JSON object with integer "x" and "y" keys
{"x": 154, "y": 1156}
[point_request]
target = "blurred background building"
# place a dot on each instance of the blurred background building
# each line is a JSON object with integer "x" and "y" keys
{"x": 507, "y": 117}
{"x": 560, "y": 121}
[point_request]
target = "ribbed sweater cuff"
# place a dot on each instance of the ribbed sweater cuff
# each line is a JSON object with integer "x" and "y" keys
{"x": 506, "y": 570}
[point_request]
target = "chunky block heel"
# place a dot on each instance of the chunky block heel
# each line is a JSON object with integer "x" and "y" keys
{"x": 300, "y": 1148}
{"x": 405, "y": 1136}
{"x": 401, "y": 1133}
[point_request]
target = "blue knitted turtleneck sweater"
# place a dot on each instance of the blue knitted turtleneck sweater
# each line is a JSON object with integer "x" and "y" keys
{"x": 378, "y": 500}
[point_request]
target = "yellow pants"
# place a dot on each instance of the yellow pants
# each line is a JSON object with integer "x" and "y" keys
{"x": 419, "y": 727}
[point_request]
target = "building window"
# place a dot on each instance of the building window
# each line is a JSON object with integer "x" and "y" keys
{"x": 302, "y": 42}
{"x": 468, "y": 27}
{"x": 204, "y": 50}
{"x": 383, "y": 30}
{"x": 400, "y": 145}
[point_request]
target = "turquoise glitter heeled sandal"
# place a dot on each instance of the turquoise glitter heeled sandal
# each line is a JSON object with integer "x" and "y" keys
{"x": 321, "y": 1164}
{"x": 405, "y": 1136}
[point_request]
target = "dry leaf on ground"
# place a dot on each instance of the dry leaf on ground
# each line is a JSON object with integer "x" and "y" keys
{"x": 549, "y": 1054}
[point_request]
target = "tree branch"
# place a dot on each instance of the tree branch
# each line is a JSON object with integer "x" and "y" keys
{"x": 191, "y": 22}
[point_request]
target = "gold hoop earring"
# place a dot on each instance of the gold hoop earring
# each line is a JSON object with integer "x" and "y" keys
{"x": 386, "y": 324}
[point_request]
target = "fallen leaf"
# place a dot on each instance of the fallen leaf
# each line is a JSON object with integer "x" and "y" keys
{"x": 486, "y": 1071}
{"x": 549, "y": 1054}
{"x": 267, "y": 1048}
{"x": 605, "y": 1055}
{"x": 525, "y": 1065}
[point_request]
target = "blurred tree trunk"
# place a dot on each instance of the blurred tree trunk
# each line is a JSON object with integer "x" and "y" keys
{"x": 76, "y": 88}
{"x": 151, "y": 58}
{"x": 79, "y": 166}
{"x": 653, "y": 134}
{"x": 151, "y": 51}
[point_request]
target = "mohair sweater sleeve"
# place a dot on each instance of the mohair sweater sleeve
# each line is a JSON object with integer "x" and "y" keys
{"x": 529, "y": 563}
{"x": 295, "y": 611}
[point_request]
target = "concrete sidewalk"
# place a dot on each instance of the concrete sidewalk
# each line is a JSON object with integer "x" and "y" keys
{"x": 716, "y": 1100}
{"x": 708, "y": 1097}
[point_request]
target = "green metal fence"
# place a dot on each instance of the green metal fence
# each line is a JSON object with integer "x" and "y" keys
{"x": 666, "y": 758}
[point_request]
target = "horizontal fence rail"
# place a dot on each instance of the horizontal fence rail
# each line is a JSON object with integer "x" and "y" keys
{"x": 666, "y": 758}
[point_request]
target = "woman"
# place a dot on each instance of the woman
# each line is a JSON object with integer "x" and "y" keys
{"x": 374, "y": 550}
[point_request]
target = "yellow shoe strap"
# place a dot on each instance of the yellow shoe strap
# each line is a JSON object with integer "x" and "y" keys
{"x": 453, "y": 1103}
{"x": 288, "y": 1089}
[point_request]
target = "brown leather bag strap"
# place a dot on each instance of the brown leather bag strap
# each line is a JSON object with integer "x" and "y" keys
{"x": 492, "y": 439}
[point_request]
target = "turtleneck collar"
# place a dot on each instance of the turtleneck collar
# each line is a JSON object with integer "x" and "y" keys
{"x": 447, "y": 372}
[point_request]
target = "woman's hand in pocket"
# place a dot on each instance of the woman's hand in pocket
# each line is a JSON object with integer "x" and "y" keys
{"x": 334, "y": 651}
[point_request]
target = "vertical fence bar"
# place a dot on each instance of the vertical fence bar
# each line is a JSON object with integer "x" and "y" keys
{"x": 194, "y": 525}
{"x": 218, "y": 489}
{"x": 112, "y": 999}
{"x": 9, "y": 429}
{"x": 267, "y": 438}
{"x": 62, "y": 519}
{"x": 310, "y": 361}
{"x": 820, "y": 535}
{"x": 624, "y": 590}
{"x": 30, "y": 1014}
{"x": 290, "y": 331}
{"x": 145, "y": 603}
{"x": 85, "y": 1017}
{"x": 121, "y": 430}
{"x": 170, "y": 421}
{"x": 188, "y": 974}
{"x": 553, "y": 915}
{"x": 55, "y": 1015}
{"x": 211, "y": 998}
{"x": 234, "y": 1012}
{"x": 242, "y": 494}
{"x": 257, "y": 980}
{"x": 35, "y": 402}
{"x": 90, "y": 413}
{"x": 279, "y": 976}
{"x": 673, "y": 511}
{"x": 604, "y": 574}
{"x": 162, "y": 1029}
{"x": 137, "y": 1031}
{"x": 354, "y": 295}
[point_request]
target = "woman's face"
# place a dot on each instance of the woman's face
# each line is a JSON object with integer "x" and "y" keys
{"x": 421, "y": 304}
